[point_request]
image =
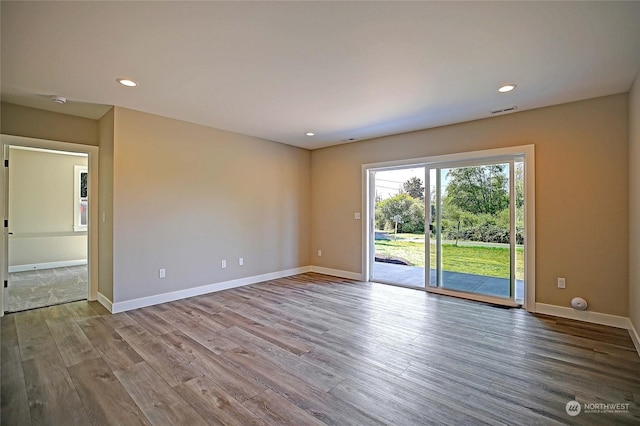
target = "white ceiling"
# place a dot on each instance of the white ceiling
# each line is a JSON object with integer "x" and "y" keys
{"x": 343, "y": 70}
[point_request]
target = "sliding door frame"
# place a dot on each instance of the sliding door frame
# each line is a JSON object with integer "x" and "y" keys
{"x": 527, "y": 152}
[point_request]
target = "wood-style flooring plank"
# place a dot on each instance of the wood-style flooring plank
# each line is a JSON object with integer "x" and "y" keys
{"x": 322, "y": 405}
{"x": 73, "y": 344}
{"x": 53, "y": 399}
{"x": 208, "y": 338}
{"x": 298, "y": 366}
{"x": 13, "y": 393}
{"x": 185, "y": 321}
{"x": 150, "y": 321}
{"x": 171, "y": 367}
{"x": 188, "y": 312}
{"x": 216, "y": 406}
{"x": 8, "y": 331}
{"x": 57, "y": 311}
{"x": 225, "y": 375}
{"x": 205, "y": 303}
{"x": 34, "y": 337}
{"x": 157, "y": 400}
{"x": 103, "y": 396}
{"x": 376, "y": 404}
{"x": 84, "y": 310}
{"x": 109, "y": 344}
{"x": 293, "y": 345}
{"x": 278, "y": 411}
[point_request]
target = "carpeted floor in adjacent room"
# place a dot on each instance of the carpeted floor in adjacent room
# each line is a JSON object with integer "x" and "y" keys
{"x": 46, "y": 287}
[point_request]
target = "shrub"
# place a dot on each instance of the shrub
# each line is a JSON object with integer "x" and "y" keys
{"x": 483, "y": 227}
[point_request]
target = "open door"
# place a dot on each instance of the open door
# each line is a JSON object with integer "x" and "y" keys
{"x": 398, "y": 251}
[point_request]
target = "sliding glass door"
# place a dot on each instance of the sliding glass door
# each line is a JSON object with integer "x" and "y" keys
{"x": 451, "y": 227}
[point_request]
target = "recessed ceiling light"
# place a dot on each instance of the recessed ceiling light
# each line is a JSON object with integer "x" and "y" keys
{"x": 507, "y": 88}
{"x": 310, "y": 134}
{"x": 127, "y": 82}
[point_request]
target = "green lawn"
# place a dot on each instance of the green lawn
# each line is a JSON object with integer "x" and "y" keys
{"x": 470, "y": 259}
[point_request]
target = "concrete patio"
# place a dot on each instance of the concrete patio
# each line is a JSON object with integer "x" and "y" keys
{"x": 413, "y": 276}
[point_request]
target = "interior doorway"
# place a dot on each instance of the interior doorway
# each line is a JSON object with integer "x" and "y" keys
{"x": 460, "y": 225}
{"x": 49, "y": 227}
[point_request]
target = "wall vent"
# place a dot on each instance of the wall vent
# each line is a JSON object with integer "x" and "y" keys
{"x": 504, "y": 110}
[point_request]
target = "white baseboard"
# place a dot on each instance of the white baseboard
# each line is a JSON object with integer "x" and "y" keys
{"x": 337, "y": 273}
{"x": 104, "y": 301}
{"x": 587, "y": 316}
{"x": 47, "y": 265}
{"x": 128, "y": 305}
{"x": 634, "y": 336}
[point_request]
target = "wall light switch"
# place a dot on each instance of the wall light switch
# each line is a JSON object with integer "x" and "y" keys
{"x": 162, "y": 273}
{"x": 241, "y": 261}
{"x": 357, "y": 216}
{"x": 562, "y": 283}
{"x": 224, "y": 264}
{"x": 319, "y": 253}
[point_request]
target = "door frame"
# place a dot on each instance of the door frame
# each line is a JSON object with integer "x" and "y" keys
{"x": 525, "y": 151}
{"x": 92, "y": 228}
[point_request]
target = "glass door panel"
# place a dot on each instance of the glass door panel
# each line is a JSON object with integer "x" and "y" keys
{"x": 399, "y": 227}
{"x": 472, "y": 217}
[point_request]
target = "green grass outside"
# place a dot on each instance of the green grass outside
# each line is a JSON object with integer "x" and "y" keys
{"x": 469, "y": 259}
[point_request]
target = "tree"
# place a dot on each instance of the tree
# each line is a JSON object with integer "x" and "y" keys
{"x": 410, "y": 211}
{"x": 478, "y": 190}
{"x": 415, "y": 188}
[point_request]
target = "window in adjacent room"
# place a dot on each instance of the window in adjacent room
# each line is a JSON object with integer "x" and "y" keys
{"x": 80, "y": 198}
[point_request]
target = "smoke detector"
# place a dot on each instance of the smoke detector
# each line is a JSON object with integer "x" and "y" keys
{"x": 59, "y": 100}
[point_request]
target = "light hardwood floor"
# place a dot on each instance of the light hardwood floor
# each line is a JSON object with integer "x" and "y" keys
{"x": 311, "y": 350}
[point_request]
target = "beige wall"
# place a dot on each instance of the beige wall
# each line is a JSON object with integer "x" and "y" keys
{"x": 581, "y": 193}
{"x": 105, "y": 205}
{"x": 41, "y": 208}
{"x": 634, "y": 203}
{"x": 35, "y": 123}
{"x": 187, "y": 196}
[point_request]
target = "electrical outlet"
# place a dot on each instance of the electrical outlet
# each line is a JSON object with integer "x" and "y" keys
{"x": 356, "y": 216}
{"x": 241, "y": 261}
{"x": 319, "y": 253}
{"x": 223, "y": 264}
{"x": 562, "y": 283}
{"x": 162, "y": 273}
